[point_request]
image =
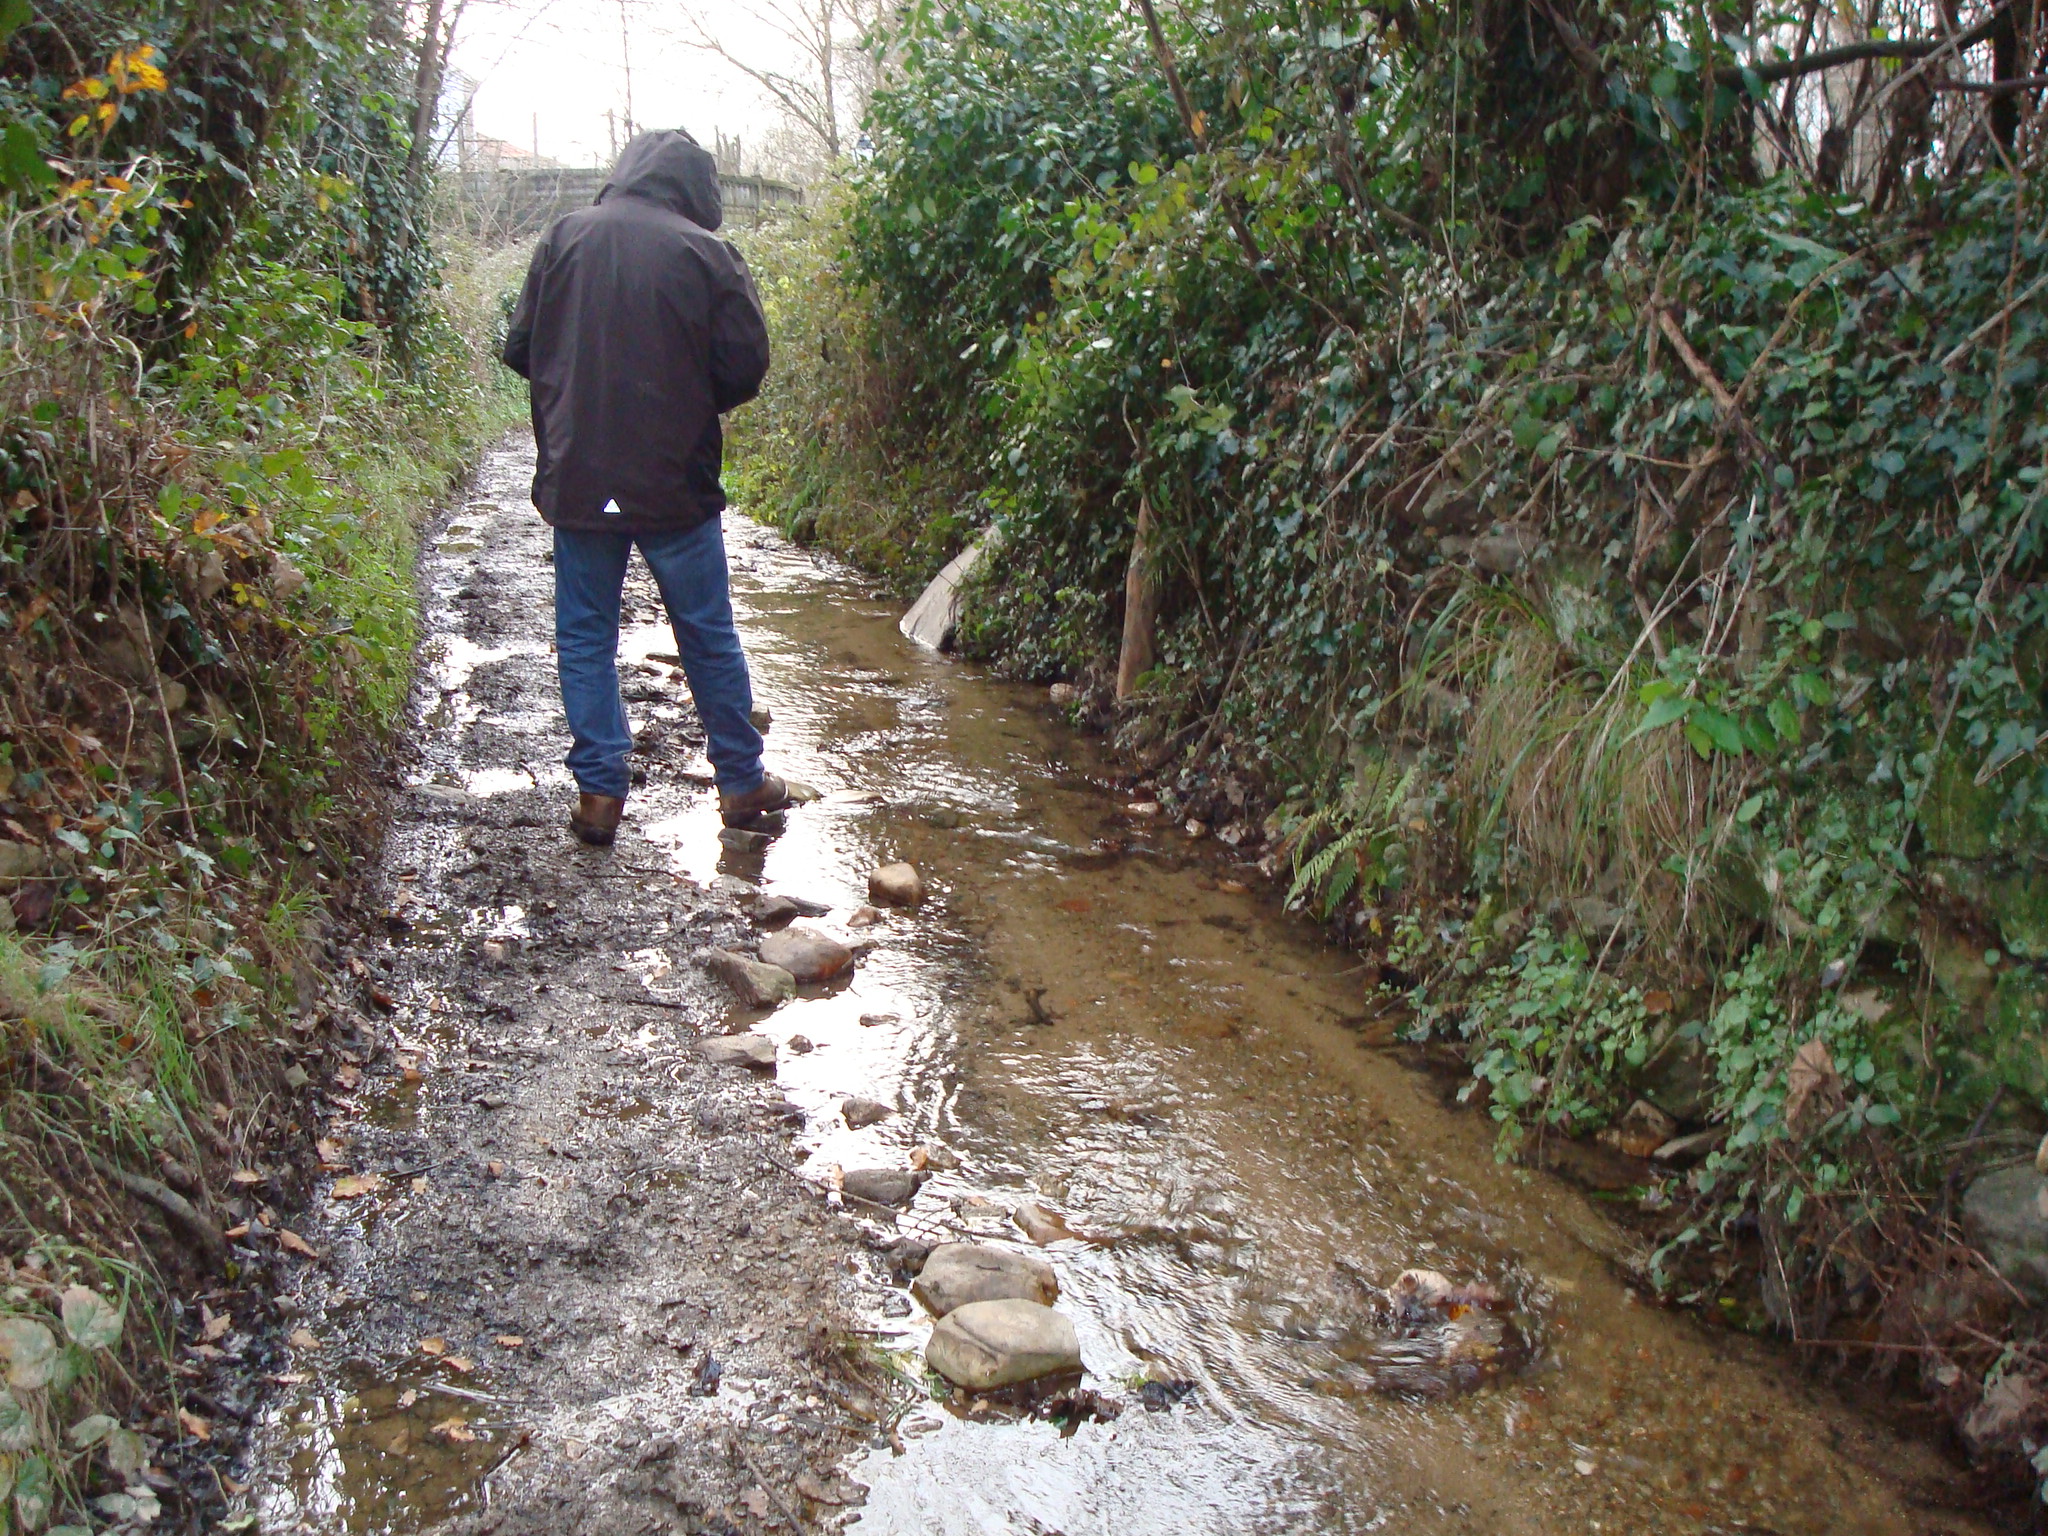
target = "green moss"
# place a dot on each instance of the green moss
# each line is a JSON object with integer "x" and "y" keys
{"x": 1959, "y": 818}
{"x": 2020, "y": 904}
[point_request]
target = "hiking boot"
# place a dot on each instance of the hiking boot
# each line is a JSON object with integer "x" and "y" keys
{"x": 596, "y": 818}
{"x": 764, "y": 799}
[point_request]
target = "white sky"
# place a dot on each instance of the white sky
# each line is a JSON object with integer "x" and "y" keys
{"x": 558, "y": 64}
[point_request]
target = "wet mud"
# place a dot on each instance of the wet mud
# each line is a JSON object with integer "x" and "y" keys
{"x": 595, "y": 1284}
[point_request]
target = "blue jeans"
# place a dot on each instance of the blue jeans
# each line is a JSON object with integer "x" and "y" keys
{"x": 590, "y": 574}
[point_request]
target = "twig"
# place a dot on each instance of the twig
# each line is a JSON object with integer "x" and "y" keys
{"x": 767, "y": 1487}
{"x": 1956, "y": 353}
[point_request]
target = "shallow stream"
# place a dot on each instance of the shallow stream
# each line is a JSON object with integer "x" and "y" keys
{"x": 1095, "y": 1011}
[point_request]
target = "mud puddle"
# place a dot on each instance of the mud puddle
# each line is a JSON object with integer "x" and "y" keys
{"x": 1091, "y": 1010}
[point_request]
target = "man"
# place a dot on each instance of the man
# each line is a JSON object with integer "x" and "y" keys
{"x": 637, "y": 328}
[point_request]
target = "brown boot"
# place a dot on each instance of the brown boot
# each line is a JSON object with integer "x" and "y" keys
{"x": 766, "y": 798}
{"x": 596, "y": 819}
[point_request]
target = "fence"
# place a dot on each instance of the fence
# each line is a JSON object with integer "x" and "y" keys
{"x": 500, "y": 207}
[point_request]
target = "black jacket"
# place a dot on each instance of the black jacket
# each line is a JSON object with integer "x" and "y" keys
{"x": 637, "y": 327}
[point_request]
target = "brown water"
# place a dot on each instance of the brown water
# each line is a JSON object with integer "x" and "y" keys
{"x": 1093, "y": 1011}
{"x": 1198, "y": 1099}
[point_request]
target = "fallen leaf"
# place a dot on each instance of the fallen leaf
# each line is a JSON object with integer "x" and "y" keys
{"x": 461, "y": 1364}
{"x": 240, "y": 1229}
{"x": 383, "y": 999}
{"x": 413, "y": 1075}
{"x": 301, "y": 1338}
{"x": 205, "y": 1352}
{"x": 194, "y": 1425}
{"x": 1657, "y": 1002}
{"x": 348, "y": 1077}
{"x": 287, "y": 1238}
{"x": 454, "y": 1429}
{"x": 756, "y": 1500}
{"x": 435, "y": 1347}
{"x": 213, "y": 1324}
{"x": 573, "y": 1449}
{"x": 509, "y": 1341}
{"x": 1076, "y": 904}
{"x": 330, "y": 1152}
{"x": 408, "y": 1397}
{"x": 287, "y": 1378}
{"x": 495, "y": 1170}
{"x": 356, "y": 1185}
{"x": 245, "y": 1177}
{"x": 419, "y": 1185}
{"x": 1813, "y": 1090}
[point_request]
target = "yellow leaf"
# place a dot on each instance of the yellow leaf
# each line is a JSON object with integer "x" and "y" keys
{"x": 356, "y": 1185}
{"x": 194, "y": 1425}
{"x": 301, "y": 1338}
{"x": 433, "y": 1346}
{"x": 288, "y": 1239}
{"x": 455, "y": 1429}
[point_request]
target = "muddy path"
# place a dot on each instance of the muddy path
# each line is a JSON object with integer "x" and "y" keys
{"x": 576, "y": 1279}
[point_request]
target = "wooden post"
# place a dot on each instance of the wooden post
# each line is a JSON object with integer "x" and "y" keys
{"x": 1141, "y": 606}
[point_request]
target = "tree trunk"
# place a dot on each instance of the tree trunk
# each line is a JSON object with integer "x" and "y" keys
{"x": 1141, "y": 606}
{"x": 426, "y": 93}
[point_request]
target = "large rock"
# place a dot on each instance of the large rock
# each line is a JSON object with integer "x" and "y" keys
{"x": 748, "y": 1050}
{"x": 935, "y": 616}
{"x": 861, "y": 1113}
{"x": 896, "y": 885}
{"x": 754, "y": 983}
{"x": 2005, "y": 1213}
{"x": 988, "y": 1344}
{"x": 960, "y": 1274}
{"x": 882, "y": 1186}
{"x": 806, "y": 954}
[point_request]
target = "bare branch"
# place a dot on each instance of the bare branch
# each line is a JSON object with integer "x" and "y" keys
{"x": 1856, "y": 53}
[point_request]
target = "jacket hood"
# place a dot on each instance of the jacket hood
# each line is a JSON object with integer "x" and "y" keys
{"x": 672, "y": 169}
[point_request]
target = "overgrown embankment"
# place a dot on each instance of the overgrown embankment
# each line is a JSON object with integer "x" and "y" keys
{"x": 1587, "y": 468}
{"x": 235, "y": 382}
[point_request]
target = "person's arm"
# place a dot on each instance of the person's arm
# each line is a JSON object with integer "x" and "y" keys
{"x": 739, "y": 340}
{"x": 518, "y": 353}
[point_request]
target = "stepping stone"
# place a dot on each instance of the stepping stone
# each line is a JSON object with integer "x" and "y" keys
{"x": 989, "y": 1344}
{"x": 960, "y": 1274}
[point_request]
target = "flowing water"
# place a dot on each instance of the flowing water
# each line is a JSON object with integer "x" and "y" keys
{"x": 1095, "y": 1012}
{"x": 1098, "y": 1012}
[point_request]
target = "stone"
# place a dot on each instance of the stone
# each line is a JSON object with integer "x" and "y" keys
{"x": 744, "y": 839}
{"x": 1062, "y": 694}
{"x": 896, "y": 885}
{"x": 18, "y": 861}
{"x": 754, "y": 983}
{"x": 800, "y": 1045}
{"x": 1641, "y": 1131}
{"x": 1503, "y": 552}
{"x": 934, "y": 619}
{"x": 881, "y": 1186}
{"x": 945, "y": 1159}
{"x": 806, "y": 954}
{"x": 861, "y": 1113}
{"x": 747, "y": 1050}
{"x": 989, "y": 1344}
{"x": 2005, "y": 1214}
{"x": 959, "y": 1274}
{"x": 774, "y": 911}
{"x": 864, "y": 917}
{"x": 1042, "y": 1224}
{"x": 877, "y": 1020}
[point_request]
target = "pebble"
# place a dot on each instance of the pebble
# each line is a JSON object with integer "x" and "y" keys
{"x": 932, "y": 1155}
{"x": 988, "y": 1344}
{"x": 753, "y": 982}
{"x": 861, "y": 1113}
{"x": 863, "y": 917}
{"x": 745, "y": 1050}
{"x": 876, "y": 1020}
{"x": 773, "y": 911}
{"x": 742, "y": 840}
{"x": 806, "y": 954}
{"x": 896, "y": 885}
{"x": 958, "y": 1274}
{"x": 800, "y": 1045}
{"x": 1062, "y": 694}
{"x": 1042, "y": 1224}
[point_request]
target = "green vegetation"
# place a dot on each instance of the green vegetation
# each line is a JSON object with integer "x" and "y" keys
{"x": 1593, "y": 472}
{"x": 238, "y": 378}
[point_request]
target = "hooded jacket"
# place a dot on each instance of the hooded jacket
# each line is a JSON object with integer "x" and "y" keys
{"x": 637, "y": 328}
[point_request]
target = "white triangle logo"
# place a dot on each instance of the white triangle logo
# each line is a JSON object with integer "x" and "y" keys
{"x": 611, "y": 508}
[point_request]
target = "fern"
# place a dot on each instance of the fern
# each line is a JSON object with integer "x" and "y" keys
{"x": 1370, "y": 819}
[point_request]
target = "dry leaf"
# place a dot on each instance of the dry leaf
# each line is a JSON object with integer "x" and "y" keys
{"x": 455, "y": 1429}
{"x": 435, "y": 1347}
{"x": 460, "y": 1364}
{"x": 330, "y": 1152}
{"x": 509, "y": 1341}
{"x": 238, "y": 1230}
{"x": 1655, "y": 1003}
{"x": 348, "y": 1077}
{"x": 412, "y": 1075}
{"x": 287, "y": 1238}
{"x": 408, "y": 1397}
{"x": 756, "y": 1500}
{"x": 213, "y": 1324}
{"x": 245, "y": 1177}
{"x": 287, "y": 1378}
{"x": 356, "y": 1185}
{"x": 1813, "y": 1089}
{"x": 495, "y": 1170}
{"x": 301, "y": 1338}
{"x": 419, "y": 1185}
{"x": 194, "y": 1425}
